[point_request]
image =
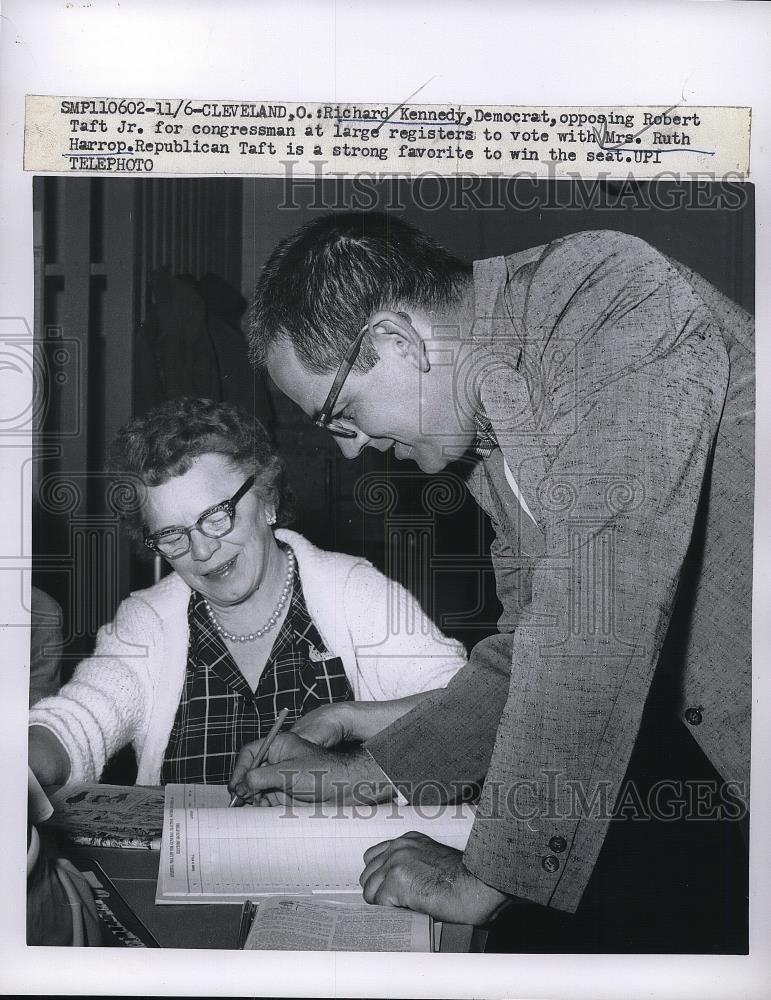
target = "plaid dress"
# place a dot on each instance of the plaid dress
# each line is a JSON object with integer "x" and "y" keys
{"x": 218, "y": 712}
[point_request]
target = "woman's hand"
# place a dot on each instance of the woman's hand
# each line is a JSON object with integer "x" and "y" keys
{"x": 48, "y": 759}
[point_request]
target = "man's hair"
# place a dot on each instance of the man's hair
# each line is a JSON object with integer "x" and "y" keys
{"x": 320, "y": 285}
{"x": 164, "y": 442}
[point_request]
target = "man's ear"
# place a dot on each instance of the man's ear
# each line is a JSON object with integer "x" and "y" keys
{"x": 390, "y": 330}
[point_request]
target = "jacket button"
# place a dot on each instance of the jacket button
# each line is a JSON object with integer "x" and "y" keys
{"x": 558, "y": 844}
{"x": 693, "y": 716}
{"x": 550, "y": 864}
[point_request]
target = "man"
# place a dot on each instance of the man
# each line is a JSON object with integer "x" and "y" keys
{"x": 605, "y": 396}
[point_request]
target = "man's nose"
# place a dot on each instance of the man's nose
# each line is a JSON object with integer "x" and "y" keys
{"x": 352, "y": 447}
{"x": 201, "y": 546}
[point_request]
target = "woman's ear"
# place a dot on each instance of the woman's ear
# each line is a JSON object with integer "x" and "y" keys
{"x": 392, "y": 330}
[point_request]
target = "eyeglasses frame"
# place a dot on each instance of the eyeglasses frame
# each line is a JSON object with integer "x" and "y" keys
{"x": 151, "y": 539}
{"x": 324, "y": 418}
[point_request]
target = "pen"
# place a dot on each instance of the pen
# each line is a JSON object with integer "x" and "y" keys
{"x": 247, "y": 916}
{"x": 263, "y": 751}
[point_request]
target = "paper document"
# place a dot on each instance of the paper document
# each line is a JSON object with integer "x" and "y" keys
{"x": 110, "y": 815}
{"x": 286, "y": 923}
{"x": 214, "y": 854}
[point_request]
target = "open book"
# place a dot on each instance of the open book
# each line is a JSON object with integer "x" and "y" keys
{"x": 286, "y": 923}
{"x": 213, "y": 854}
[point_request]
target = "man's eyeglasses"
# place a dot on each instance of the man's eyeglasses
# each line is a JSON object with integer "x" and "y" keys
{"x": 214, "y": 523}
{"x": 324, "y": 419}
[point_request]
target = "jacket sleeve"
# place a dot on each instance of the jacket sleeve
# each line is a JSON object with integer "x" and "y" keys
{"x": 103, "y": 706}
{"x": 628, "y": 423}
{"x": 443, "y": 746}
{"x": 399, "y": 650}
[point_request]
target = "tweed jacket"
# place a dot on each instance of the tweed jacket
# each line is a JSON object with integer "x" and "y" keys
{"x": 128, "y": 691}
{"x": 620, "y": 389}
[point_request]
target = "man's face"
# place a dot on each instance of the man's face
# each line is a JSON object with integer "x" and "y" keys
{"x": 393, "y": 405}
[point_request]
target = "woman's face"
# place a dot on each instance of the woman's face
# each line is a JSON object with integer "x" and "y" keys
{"x": 226, "y": 570}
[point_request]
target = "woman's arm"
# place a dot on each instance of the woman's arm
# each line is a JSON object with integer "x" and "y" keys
{"x": 400, "y": 651}
{"x": 105, "y": 704}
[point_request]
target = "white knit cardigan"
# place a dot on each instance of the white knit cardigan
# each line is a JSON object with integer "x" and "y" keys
{"x": 129, "y": 690}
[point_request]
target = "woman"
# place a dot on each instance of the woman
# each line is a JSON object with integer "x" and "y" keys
{"x": 253, "y": 619}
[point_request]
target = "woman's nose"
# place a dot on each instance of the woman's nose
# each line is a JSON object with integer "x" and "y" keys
{"x": 201, "y": 546}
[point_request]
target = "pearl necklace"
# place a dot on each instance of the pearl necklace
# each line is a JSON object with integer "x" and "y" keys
{"x": 275, "y": 614}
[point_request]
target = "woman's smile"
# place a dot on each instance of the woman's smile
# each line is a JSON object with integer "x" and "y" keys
{"x": 222, "y": 571}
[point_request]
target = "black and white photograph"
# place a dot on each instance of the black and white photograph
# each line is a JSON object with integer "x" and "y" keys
{"x": 458, "y": 489}
{"x": 390, "y": 550}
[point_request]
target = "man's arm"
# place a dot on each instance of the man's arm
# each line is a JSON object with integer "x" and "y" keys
{"x": 445, "y": 743}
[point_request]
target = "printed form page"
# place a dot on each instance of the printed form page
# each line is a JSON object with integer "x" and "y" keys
{"x": 211, "y": 852}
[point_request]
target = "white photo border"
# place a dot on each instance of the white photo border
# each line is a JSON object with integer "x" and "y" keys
{"x": 485, "y": 53}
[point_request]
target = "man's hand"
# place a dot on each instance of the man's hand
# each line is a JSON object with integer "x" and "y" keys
{"x": 415, "y": 872}
{"x": 353, "y": 720}
{"x": 325, "y": 726}
{"x": 305, "y": 772}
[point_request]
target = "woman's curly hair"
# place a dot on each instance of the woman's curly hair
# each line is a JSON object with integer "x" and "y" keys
{"x": 163, "y": 443}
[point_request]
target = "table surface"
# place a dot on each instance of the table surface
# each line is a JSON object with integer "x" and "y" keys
{"x": 204, "y": 925}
